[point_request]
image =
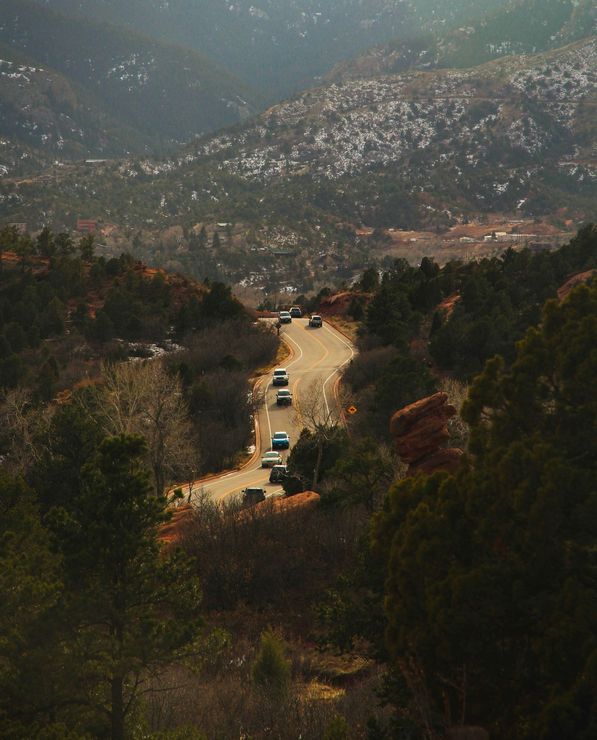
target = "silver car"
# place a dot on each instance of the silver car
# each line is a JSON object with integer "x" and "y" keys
{"x": 270, "y": 459}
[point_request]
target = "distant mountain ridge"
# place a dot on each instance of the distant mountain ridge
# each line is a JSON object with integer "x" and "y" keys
{"x": 43, "y": 115}
{"x": 515, "y": 27}
{"x": 121, "y": 92}
{"x": 414, "y": 149}
{"x": 279, "y": 46}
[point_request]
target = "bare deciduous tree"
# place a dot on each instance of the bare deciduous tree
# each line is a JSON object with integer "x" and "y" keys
{"x": 314, "y": 412}
{"x": 143, "y": 398}
{"x": 24, "y": 426}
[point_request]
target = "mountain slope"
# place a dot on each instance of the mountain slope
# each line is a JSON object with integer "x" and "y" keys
{"x": 163, "y": 92}
{"x": 278, "y": 46}
{"x": 516, "y": 27}
{"x": 520, "y": 27}
{"x": 44, "y": 115}
{"x": 403, "y": 151}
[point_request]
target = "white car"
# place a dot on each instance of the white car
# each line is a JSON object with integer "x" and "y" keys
{"x": 280, "y": 376}
{"x": 270, "y": 459}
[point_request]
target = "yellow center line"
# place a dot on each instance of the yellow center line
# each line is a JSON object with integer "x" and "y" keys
{"x": 296, "y": 402}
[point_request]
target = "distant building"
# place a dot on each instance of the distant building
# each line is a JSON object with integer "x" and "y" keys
{"x": 86, "y": 225}
{"x": 502, "y": 236}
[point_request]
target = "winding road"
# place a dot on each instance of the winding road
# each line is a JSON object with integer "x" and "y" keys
{"x": 317, "y": 357}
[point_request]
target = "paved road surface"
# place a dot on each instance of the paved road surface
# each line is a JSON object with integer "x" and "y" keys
{"x": 318, "y": 355}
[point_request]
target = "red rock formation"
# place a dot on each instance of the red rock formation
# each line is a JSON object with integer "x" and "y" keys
{"x": 581, "y": 277}
{"x": 420, "y": 430}
{"x": 339, "y": 304}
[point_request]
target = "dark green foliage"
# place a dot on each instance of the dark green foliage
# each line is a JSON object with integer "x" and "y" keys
{"x": 215, "y": 372}
{"x": 312, "y": 458}
{"x": 114, "y": 86}
{"x": 271, "y": 669}
{"x": 360, "y": 477}
{"x": 490, "y": 586}
{"x": 30, "y": 584}
{"x": 127, "y": 608}
{"x": 500, "y": 298}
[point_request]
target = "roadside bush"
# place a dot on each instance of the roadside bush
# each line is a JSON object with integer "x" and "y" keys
{"x": 264, "y": 558}
{"x": 271, "y": 669}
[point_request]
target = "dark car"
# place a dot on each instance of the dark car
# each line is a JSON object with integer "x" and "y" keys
{"x": 284, "y": 397}
{"x": 253, "y": 495}
{"x": 316, "y": 322}
{"x": 295, "y": 312}
{"x": 278, "y": 473}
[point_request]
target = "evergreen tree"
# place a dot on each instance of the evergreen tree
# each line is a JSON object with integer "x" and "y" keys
{"x": 132, "y": 607}
{"x": 44, "y": 243}
{"x": 86, "y": 247}
{"x": 30, "y": 586}
{"x": 490, "y": 592}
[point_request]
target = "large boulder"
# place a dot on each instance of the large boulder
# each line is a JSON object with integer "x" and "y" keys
{"x": 420, "y": 430}
{"x": 571, "y": 283}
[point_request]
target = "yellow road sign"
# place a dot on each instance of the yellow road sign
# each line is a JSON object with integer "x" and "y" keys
{"x": 352, "y": 409}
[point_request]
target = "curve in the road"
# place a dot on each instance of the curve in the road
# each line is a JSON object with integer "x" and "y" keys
{"x": 319, "y": 355}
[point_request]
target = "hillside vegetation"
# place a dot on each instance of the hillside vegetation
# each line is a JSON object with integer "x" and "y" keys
{"x": 68, "y": 319}
{"x": 403, "y": 151}
{"x": 141, "y": 91}
{"x": 512, "y": 27}
{"x": 278, "y": 46}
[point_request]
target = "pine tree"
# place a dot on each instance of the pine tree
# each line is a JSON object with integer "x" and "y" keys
{"x": 490, "y": 591}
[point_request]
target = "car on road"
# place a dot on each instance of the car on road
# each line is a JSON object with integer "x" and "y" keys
{"x": 285, "y": 317}
{"x": 315, "y": 322}
{"x": 270, "y": 459}
{"x": 296, "y": 312}
{"x": 280, "y": 376}
{"x": 280, "y": 441}
{"x": 253, "y": 495}
{"x": 284, "y": 397}
{"x": 278, "y": 473}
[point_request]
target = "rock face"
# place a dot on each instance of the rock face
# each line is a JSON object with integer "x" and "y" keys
{"x": 420, "y": 430}
{"x": 571, "y": 283}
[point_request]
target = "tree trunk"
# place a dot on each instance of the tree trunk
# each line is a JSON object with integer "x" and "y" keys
{"x": 117, "y": 713}
{"x": 317, "y": 463}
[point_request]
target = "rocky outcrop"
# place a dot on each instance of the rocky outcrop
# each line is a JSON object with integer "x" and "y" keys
{"x": 420, "y": 431}
{"x": 571, "y": 283}
{"x": 339, "y": 304}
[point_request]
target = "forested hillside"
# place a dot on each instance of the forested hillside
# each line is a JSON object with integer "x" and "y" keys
{"x": 424, "y": 325}
{"x": 118, "y": 618}
{"x": 403, "y": 151}
{"x": 45, "y": 115}
{"x": 143, "y": 91}
{"x": 511, "y": 27}
{"x": 279, "y": 46}
{"x": 67, "y": 316}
